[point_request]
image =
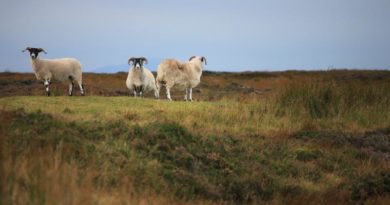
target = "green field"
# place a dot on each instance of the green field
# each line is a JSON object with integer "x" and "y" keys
{"x": 308, "y": 143}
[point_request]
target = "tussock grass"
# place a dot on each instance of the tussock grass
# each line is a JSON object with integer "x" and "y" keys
{"x": 333, "y": 105}
{"x": 311, "y": 104}
{"x": 44, "y": 157}
{"x": 319, "y": 138}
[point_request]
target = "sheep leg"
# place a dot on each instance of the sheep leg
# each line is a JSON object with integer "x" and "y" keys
{"x": 135, "y": 93}
{"x": 168, "y": 87}
{"x": 157, "y": 91}
{"x": 190, "y": 94}
{"x": 46, "y": 83}
{"x": 71, "y": 88}
{"x": 168, "y": 92}
{"x": 81, "y": 88}
{"x": 71, "y": 85}
{"x": 135, "y": 90}
{"x": 156, "y": 94}
{"x": 141, "y": 91}
{"x": 185, "y": 96}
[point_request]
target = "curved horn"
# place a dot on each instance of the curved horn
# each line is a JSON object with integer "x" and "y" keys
{"x": 27, "y": 48}
{"x": 204, "y": 59}
{"x": 131, "y": 60}
{"x": 192, "y": 57}
{"x": 42, "y": 50}
{"x": 145, "y": 60}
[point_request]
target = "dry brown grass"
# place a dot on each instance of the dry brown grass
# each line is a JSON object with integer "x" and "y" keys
{"x": 214, "y": 86}
{"x": 275, "y": 138}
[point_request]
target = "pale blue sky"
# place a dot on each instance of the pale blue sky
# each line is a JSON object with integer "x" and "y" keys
{"x": 233, "y": 35}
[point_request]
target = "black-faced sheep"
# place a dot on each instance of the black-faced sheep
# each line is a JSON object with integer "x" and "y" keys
{"x": 140, "y": 79}
{"x": 64, "y": 69}
{"x": 186, "y": 75}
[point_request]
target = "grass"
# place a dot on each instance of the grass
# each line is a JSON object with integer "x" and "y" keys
{"x": 353, "y": 107}
{"x": 45, "y": 157}
{"x": 318, "y": 142}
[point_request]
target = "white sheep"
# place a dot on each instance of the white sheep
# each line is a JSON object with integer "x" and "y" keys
{"x": 57, "y": 69}
{"x": 140, "y": 79}
{"x": 186, "y": 75}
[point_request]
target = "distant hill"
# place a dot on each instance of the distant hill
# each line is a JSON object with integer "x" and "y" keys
{"x": 110, "y": 69}
{"x": 152, "y": 65}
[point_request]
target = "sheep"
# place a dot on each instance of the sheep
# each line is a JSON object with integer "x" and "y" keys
{"x": 140, "y": 79}
{"x": 58, "y": 69}
{"x": 186, "y": 75}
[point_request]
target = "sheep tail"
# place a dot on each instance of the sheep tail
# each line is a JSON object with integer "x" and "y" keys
{"x": 160, "y": 81}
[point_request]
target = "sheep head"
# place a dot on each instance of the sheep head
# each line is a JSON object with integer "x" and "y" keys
{"x": 138, "y": 63}
{"x": 34, "y": 52}
{"x": 201, "y": 58}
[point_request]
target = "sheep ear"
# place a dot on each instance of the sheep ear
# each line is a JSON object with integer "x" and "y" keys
{"x": 144, "y": 60}
{"x": 131, "y": 60}
{"x": 192, "y": 57}
{"x": 42, "y": 50}
{"x": 204, "y": 60}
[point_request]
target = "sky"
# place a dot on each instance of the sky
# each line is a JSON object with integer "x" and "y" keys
{"x": 239, "y": 35}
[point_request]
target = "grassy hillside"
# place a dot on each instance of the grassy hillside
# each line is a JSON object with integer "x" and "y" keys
{"x": 213, "y": 87}
{"x": 314, "y": 138}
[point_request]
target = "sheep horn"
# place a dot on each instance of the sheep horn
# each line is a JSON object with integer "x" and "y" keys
{"x": 192, "y": 57}
{"x": 145, "y": 60}
{"x": 204, "y": 59}
{"x": 28, "y": 48}
{"x": 42, "y": 50}
{"x": 131, "y": 60}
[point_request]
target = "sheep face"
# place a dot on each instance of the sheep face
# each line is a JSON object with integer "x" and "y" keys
{"x": 34, "y": 52}
{"x": 201, "y": 58}
{"x": 138, "y": 63}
